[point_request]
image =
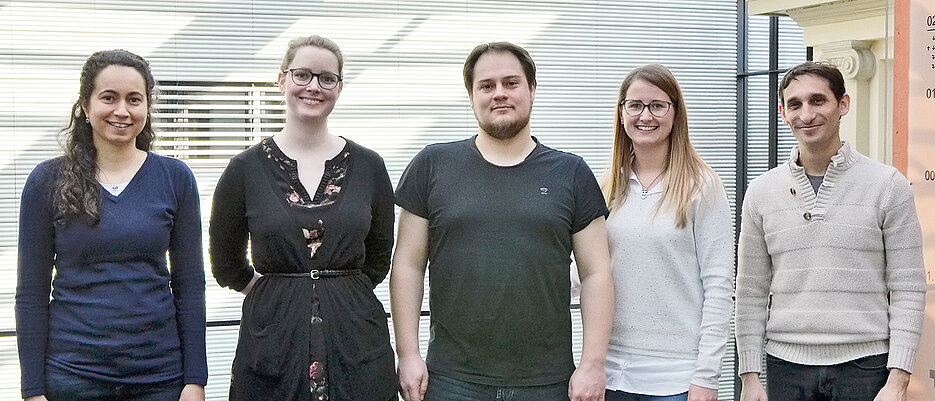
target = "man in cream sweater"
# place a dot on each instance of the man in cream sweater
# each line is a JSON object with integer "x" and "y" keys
{"x": 830, "y": 276}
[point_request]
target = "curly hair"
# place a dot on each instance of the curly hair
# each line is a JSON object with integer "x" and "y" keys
{"x": 77, "y": 190}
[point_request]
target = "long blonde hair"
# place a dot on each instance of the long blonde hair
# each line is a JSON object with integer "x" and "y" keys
{"x": 685, "y": 172}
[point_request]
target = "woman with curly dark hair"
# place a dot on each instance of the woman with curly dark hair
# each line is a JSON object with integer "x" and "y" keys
{"x": 122, "y": 323}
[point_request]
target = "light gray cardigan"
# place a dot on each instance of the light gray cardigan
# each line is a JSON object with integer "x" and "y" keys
{"x": 829, "y": 261}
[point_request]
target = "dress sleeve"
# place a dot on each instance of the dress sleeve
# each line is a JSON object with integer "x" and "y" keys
{"x": 379, "y": 242}
{"x": 228, "y": 231}
{"x": 186, "y": 260}
{"x": 589, "y": 201}
{"x": 36, "y": 255}
{"x": 714, "y": 249}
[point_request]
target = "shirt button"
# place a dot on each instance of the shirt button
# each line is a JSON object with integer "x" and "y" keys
{"x": 792, "y": 191}
{"x": 807, "y": 216}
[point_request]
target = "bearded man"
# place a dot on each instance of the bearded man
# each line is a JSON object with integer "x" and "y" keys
{"x": 496, "y": 217}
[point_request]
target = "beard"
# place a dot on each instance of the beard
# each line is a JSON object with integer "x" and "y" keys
{"x": 504, "y": 130}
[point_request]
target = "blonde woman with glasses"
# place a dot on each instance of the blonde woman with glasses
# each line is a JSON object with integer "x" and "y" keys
{"x": 671, "y": 247}
{"x": 317, "y": 210}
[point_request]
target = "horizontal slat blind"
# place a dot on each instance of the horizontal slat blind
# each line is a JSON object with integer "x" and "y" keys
{"x": 218, "y": 60}
{"x": 791, "y": 52}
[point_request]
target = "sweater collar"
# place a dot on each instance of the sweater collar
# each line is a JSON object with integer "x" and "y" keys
{"x": 842, "y": 160}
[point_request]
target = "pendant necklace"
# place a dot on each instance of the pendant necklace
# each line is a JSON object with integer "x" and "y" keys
{"x": 644, "y": 190}
{"x": 113, "y": 187}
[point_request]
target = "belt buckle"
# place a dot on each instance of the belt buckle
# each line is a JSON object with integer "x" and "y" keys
{"x": 314, "y": 274}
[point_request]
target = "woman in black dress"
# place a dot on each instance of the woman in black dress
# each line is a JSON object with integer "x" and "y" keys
{"x": 317, "y": 210}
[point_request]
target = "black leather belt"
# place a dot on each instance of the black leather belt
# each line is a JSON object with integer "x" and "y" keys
{"x": 317, "y": 274}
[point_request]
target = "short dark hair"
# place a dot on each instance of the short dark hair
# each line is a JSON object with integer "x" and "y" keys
{"x": 822, "y": 69}
{"x": 529, "y": 66}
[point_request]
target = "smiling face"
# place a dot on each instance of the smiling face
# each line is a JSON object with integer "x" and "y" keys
{"x": 501, "y": 97}
{"x": 310, "y": 102}
{"x": 117, "y": 107}
{"x": 812, "y": 111}
{"x": 645, "y": 129}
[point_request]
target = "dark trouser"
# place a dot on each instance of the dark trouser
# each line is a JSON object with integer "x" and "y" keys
{"x": 857, "y": 380}
{"x": 614, "y": 395}
{"x": 442, "y": 388}
{"x": 61, "y": 385}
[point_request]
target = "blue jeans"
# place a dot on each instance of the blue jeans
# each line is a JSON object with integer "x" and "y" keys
{"x": 61, "y": 385}
{"x": 857, "y": 380}
{"x": 442, "y": 388}
{"x": 614, "y": 395}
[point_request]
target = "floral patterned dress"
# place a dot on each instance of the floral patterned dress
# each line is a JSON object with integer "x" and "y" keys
{"x": 303, "y": 338}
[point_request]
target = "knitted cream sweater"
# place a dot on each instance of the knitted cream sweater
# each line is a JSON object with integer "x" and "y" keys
{"x": 829, "y": 261}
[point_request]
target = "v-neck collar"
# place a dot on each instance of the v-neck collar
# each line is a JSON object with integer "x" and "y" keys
{"x": 131, "y": 184}
{"x": 298, "y": 194}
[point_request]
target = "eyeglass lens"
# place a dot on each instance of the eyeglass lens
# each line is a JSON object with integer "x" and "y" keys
{"x": 657, "y": 108}
{"x": 326, "y": 80}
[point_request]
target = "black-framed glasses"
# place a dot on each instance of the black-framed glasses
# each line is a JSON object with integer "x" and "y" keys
{"x": 303, "y": 76}
{"x": 658, "y": 108}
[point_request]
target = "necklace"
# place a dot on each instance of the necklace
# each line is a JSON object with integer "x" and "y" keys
{"x": 113, "y": 187}
{"x": 131, "y": 167}
{"x": 644, "y": 190}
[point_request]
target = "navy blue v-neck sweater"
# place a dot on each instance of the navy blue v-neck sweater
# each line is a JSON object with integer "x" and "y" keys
{"x": 117, "y": 312}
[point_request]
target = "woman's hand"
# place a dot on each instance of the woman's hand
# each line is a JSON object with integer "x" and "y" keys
{"x": 256, "y": 276}
{"x": 698, "y": 393}
{"x": 192, "y": 392}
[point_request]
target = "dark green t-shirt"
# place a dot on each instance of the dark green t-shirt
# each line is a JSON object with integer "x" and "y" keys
{"x": 499, "y": 257}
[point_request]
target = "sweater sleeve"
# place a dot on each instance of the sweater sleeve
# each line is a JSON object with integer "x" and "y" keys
{"x": 186, "y": 260}
{"x": 227, "y": 231}
{"x": 379, "y": 242}
{"x": 905, "y": 273}
{"x": 36, "y": 256}
{"x": 754, "y": 274}
{"x": 714, "y": 248}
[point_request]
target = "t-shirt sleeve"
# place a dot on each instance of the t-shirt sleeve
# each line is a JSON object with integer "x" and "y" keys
{"x": 589, "y": 201}
{"x": 412, "y": 190}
